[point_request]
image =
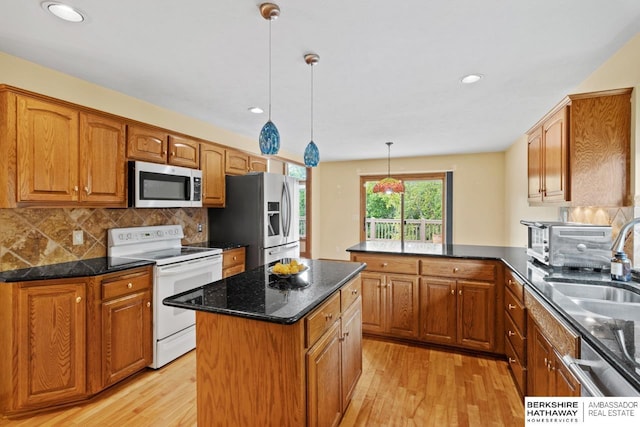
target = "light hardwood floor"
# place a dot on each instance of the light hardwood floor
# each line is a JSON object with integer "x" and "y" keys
{"x": 401, "y": 385}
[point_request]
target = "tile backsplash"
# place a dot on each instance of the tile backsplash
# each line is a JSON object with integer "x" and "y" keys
{"x": 33, "y": 237}
{"x": 615, "y": 217}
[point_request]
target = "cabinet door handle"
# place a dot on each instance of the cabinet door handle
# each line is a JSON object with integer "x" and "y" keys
{"x": 453, "y": 291}
{"x": 235, "y": 258}
{"x": 510, "y": 282}
{"x": 75, "y": 188}
{"x": 173, "y": 153}
{"x": 511, "y": 333}
{"x": 346, "y": 334}
{"x": 78, "y": 299}
{"x": 512, "y": 360}
{"x": 511, "y": 306}
{"x": 460, "y": 292}
{"x": 354, "y": 292}
{"x": 87, "y": 190}
{"x": 148, "y": 303}
{"x": 129, "y": 285}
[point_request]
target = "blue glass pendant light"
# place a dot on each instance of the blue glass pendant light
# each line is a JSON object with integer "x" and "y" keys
{"x": 269, "y": 139}
{"x": 311, "y": 153}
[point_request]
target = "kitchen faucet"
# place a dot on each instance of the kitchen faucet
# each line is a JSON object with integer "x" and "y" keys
{"x": 618, "y": 244}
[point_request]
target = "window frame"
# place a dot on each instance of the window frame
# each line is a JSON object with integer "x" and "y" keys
{"x": 447, "y": 217}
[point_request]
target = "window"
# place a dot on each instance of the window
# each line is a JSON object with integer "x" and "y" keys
{"x": 304, "y": 180}
{"x": 421, "y": 214}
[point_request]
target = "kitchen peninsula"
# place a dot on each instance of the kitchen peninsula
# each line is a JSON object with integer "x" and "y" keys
{"x": 277, "y": 351}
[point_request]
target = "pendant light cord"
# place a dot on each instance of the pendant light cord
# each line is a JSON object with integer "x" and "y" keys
{"x": 311, "y": 101}
{"x": 270, "y": 20}
{"x": 389, "y": 159}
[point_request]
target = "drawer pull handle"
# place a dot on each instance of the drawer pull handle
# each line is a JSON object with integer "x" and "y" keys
{"x": 78, "y": 299}
{"x": 511, "y": 333}
{"x": 384, "y": 264}
{"x": 512, "y": 360}
{"x": 354, "y": 292}
{"x": 148, "y": 303}
{"x": 129, "y": 285}
{"x": 328, "y": 316}
{"x": 511, "y": 306}
{"x": 456, "y": 269}
{"x": 235, "y": 258}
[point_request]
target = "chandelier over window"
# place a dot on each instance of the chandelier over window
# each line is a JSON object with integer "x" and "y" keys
{"x": 269, "y": 135}
{"x": 389, "y": 185}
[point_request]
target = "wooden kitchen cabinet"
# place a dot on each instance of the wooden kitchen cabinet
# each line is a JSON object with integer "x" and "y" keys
{"x": 147, "y": 143}
{"x": 240, "y": 163}
{"x": 390, "y": 304}
{"x": 458, "y": 307}
{"x": 68, "y": 157}
{"x": 334, "y": 362}
{"x": 157, "y": 145}
{"x": 548, "y": 374}
{"x": 213, "y": 173}
{"x": 50, "y": 354}
{"x": 233, "y": 261}
{"x": 65, "y": 340}
{"x": 515, "y": 330}
{"x": 102, "y": 160}
{"x": 547, "y": 340}
{"x": 579, "y": 153}
{"x": 183, "y": 152}
{"x": 47, "y": 151}
{"x": 126, "y": 325}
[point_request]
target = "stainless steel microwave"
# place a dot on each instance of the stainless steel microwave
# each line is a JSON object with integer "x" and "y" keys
{"x": 153, "y": 185}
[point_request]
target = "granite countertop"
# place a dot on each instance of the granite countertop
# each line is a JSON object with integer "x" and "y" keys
{"x": 595, "y": 329}
{"x": 83, "y": 268}
{"x": 225, "y": 246}
{"x": 256, "y": 294}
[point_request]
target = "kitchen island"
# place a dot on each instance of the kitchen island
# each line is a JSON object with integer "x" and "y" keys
{"x": 277, "y": 351}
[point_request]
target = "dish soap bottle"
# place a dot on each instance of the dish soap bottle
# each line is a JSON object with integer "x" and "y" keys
{"x": 620, "y": 267}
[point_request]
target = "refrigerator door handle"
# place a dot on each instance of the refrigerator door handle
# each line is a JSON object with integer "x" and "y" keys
{"x": 286, "y": 209}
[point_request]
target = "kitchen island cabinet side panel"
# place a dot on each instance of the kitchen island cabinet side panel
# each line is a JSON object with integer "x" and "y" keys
{"x": 232, "y": 387}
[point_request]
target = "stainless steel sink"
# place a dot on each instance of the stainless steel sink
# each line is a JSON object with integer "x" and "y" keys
{"x": 597, "y": 292}
{"x": 615, "y": 310}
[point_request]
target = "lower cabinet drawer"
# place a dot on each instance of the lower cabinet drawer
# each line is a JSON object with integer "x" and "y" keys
{"x": 322, "y": 319}
{"x": 125, "y": 285}
{"x": 515, "y": 336}
{"x": 515, "y": 309}
{"x": 519, "y": 372}
{"x": 350, "y": 292}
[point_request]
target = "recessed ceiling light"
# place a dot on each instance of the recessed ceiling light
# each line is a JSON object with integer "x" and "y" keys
{"x": 63, "y": 11}
{"x": 256, "y": 110}
{"x": 471, "y": 78}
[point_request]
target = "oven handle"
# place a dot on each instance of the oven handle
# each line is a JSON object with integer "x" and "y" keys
{"x": 575, "y": 366}
{"x": 170, "y": 270}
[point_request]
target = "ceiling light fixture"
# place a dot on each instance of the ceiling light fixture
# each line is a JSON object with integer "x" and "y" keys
{"x": 311, "y": 153}
{"x": 471, "y": 78}
{"x": 269, "y": 135}
{"x": 389, "y": 185}
{"x": 63, "y": 11}
{"x": 256, "y": 110}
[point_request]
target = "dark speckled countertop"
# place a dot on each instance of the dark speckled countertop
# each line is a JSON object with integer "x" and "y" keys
{"x": 595, "y": 329}
{"x": 256, "y": 294}
{"x": 65, "y": 270}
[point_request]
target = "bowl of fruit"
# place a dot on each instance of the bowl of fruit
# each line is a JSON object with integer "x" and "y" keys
{"x": 290, "y": 269}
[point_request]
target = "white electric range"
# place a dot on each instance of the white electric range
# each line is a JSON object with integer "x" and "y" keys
{"x": 177, "y": 268}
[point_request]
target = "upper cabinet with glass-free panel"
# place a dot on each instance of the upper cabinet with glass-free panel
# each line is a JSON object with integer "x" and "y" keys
{"x": 579, "y": 153}
{"x": 151, "y": 144}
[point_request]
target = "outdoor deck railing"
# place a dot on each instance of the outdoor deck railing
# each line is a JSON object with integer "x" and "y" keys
{"x": 415, "y": 230}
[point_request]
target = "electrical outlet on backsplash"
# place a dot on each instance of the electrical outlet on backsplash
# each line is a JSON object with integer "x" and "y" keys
{"x": 31, "y": 237}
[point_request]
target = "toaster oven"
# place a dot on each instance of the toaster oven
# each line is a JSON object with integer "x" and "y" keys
{"x": 565, "y": 244}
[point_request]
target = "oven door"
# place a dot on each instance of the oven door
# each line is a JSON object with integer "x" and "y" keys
{"x": 175, "y": 278}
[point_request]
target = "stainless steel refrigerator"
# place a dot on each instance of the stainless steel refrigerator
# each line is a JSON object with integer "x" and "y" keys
{"x": 261, "y": 212}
